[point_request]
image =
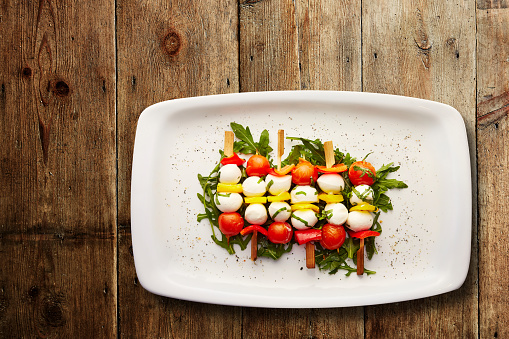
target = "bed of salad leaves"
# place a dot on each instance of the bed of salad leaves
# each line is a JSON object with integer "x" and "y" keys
{"x": 332, "y": 261}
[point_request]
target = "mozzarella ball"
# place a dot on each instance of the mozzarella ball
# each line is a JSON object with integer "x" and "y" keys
{"x": 254, "y": 187}
{"x": 256, "y": 214}
{"x": 303, "y": 219}
{"x": 359, "y": 221}
{"x": 331, "y": 183}
{"x": 337, "y": 213}
{"x": 279, "y": 184}
{"x": 228, "y": 202}
{"x": 304, "y": 195}
{"x": 365, "y": 194}
{"x": 284, "y": 211}
{"x": 230, "y": 174}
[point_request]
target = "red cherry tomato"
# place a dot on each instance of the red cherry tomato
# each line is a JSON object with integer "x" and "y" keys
{"x": 362, "y": 173}
{"x": 280, "y": 232}
{"x": 257, "y": 165}
{"x": 333, "y": 236}
{"x": 303, "y": 173}
{"x": 230, "y": 223}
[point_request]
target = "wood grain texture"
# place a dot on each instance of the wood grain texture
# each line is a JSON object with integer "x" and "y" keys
{"x": 268, "y": 57}
{"x": 269, "y": 60}
{"x": 329, "y": 45}
{"x": 168, "y": 50}
{"x": 57, "y": 177}
{"x": 329, "y": 39}
{"x": 492, "y": 134}
{"x": 422, "y": 49}
{"x": 287, "y": 45}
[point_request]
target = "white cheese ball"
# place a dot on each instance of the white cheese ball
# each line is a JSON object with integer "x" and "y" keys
{"x": 365, "y": 194}
{"x": 230, "y": 174}
{"x": 331, "y": 183}
{"x": 283, "y": 214}
{"x": 308, "y": 217}
{"x": 337, "y": 213}
{"x": 256, "y": 214}
{"x": 228, "y": 202}
{"x": 279, "y": 184}
{"x": 304, "y": 195}
{"x": 254, "y": 187}
{"x": 359, "y": 221}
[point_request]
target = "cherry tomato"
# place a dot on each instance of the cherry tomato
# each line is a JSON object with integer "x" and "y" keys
{"x": 303, "y": 173}
{"x": 280, "y": 232}
{"x": 257, "y": 165}
{"x": 333, "y": 236}
{"x": 230, "y": 223}
{"x": 362, "y": 173}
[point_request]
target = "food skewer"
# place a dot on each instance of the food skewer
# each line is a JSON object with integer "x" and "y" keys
{"x": 329, "y": 162}
{"x": 228, "y": 152}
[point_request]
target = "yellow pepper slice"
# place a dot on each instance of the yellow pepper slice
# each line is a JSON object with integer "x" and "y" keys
{"x": 229, "y": 188}
{"x": 330, "y": 198}
{"x": 255, "y": 200}
{"x": 364, "y": 207}
{"x": 280, "y": 197}
{"x": 305, "y": 207}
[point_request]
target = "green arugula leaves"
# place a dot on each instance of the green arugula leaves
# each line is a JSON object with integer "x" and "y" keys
{"x": 382, "y": 185}
{"x": 247, "y": 145}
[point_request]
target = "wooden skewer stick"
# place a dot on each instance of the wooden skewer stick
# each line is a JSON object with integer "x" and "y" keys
{"x": 329, "y": 154}
{"x": 310, "y": 255}
{"x": 360, "y": 259}
{"x": 228, "y": 143}
{"x": 280, "y": 147}
{"x": 254, "y": 246}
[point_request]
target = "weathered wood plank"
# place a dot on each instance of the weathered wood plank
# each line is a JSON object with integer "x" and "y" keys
{"x": 57, "y": 177}
{"x": 269, "y": 59}
{"x": 492, "y": 127}
{"x": 167, "y": 50}
{"x": 275, "y": 39}
{"x": 67, "y": 286}
{"x": 425, "y": 49}
{"x": 329, "y": 40}
{"x": 329, "y": 45}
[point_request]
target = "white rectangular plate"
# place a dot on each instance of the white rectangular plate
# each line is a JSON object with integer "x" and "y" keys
{"x": 424, "y": 249}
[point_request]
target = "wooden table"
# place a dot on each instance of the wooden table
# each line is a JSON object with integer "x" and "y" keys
{"x": 75, "y": 75}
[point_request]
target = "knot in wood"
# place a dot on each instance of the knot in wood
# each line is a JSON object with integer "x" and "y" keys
{"x": 33, "y": 292}
{"x": 61, "y": 89}
{"x": 172, "y": 43}
{"x": 52, "y": 311}
{"x": 424, "y": 45}
{"x": 27, "y": 72}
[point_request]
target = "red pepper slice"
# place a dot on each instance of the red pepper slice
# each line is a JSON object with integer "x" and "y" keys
{"x": 252, "y": 228}
{"x": 338, "y": 168}
{"x": 282, "y": 172}
{"x": 363, "y": 234}
{"x": 234, "y": 159}
{"x": 305, "y": 236}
